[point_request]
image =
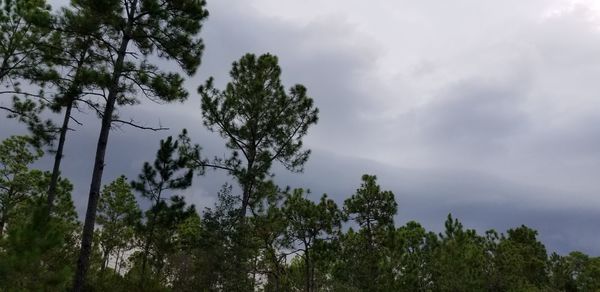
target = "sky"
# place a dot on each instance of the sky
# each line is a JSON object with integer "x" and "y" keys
{"x": 489, "y": 110}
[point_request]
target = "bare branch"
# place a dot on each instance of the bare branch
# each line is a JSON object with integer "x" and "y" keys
{"x": 133, "y": 124}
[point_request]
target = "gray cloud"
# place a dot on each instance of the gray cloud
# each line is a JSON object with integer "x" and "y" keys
{"x": 486, "y": 110}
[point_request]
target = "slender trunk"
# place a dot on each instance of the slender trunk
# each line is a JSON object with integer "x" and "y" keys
{"x": 247, "y": 184}
{"x": 58, "y": 157}
{"x": 245, "y": 200}
{"x": 105, "y": 258}
{"x": 90, "y": 215}
{"x": 69, "y": 100}
{"x": 4, "y": 66}
{"x": 308, "y": 277}
{"x": 118, "y": 262}
{"x": 2, "y": 223}
{"x": 149, "y": 238}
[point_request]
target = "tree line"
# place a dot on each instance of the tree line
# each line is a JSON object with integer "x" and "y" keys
{"x": 101, "y": 56}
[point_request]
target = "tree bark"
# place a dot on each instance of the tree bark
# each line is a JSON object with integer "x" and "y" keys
{"x": 69, "y": 99}
{"x": 58, "y": 157}
{"x": 90, "y": 215}
{"x": 308, "y": 275}
{"x": 2, "y": 223}
{"x": 149, "y": 238}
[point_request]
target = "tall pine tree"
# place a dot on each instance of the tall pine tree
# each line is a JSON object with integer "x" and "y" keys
{"x": 132, "y": 31}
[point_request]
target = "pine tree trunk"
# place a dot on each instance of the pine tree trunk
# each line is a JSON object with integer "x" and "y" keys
{"x": 70, "y": 99}
{"x": 2, "y": 223}
{"x": 245, "y": 201}
{"x": 149, "y": 239}
{"x": 90, "y": 216}
{"x": 307, "y": 274}
{"x": 247, "y": 185}
{"x": 58, "y": 157}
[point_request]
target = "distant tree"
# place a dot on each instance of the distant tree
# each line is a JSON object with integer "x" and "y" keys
{"x": 37, "y": 255}
{"x": 521, "y": 260}
{"x": 169, "y": 172}
{"x": 371, "y": 207}
{"x": 170, "y": 218}
{"x": 118, "y": 214}
{"x": 412, "y": 256}
{"x": 373, "y": 210}
{"x": 261, "y": 122}
{"x": 16, "y": 179}
{"x": 181, "y": 269}
{"x": 220, "y": 250}
{"x": 269, "y": 226}
{"x": 459, "y": 260}
{"x": 309, "y": 225}
{"x": 561, "y": 274}
{"x": 130, "y": 32}
{"x": 583, "y": 271}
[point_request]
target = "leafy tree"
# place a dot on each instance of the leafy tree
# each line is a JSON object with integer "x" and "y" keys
{"x": 153, "y": 268}
{"x": 371, "y": 207}
{"x": 269, "y": 228}
{"x": 220, "y": 250}
{"x": 561, "y": 274}
{"x": 130, "y": 32}
{"x": 521, "y": 260}
{"x": 24, "y": 34}
{"x": 23, "y": 26}
{"x": 260, "y": 120}
{"x": 373, "y": 210}
{"x": 412, "y": 256}
{"x": 15, "y": 177}
{"x": 460, "y": 260}
{"x": 310, "y": 224}
{"x": 38, "y": 255}
{"x": 118, "y": 214}
{"x": 73, "y": 55}
{"x": 181, "y": 270}
{"x": 169, "y": 172}
{"x": 584, "y": 270}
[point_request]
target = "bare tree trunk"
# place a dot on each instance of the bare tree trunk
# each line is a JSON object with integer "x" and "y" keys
{"x": 117, "y": 260}
{"x": 308, "y": 276}
{"x": 247, "y": 190}
{"x": 70, "y": 97}
{"x": 58, "y": 157}
{"x": 90, "y": 216}
{"x": 247, "y": 185}
{"x": 149, "y": 239}
{"x": 105, "y": 259}
{"x": 2, "y": 223}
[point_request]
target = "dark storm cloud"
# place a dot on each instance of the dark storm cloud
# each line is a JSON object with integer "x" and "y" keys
{"x": 474, "y": 116}
{"x": 491, "y": 116}
{"x": 481, "y": 202}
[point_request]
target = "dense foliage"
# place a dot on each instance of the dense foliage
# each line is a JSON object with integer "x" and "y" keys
{"x": 142, "y": 235}
{"x": 292, "y": 241}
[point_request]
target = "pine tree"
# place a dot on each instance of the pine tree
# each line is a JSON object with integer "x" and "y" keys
{"x": 16, "y": 179}
{"x": 130, "y": 32}
{"x": 169, "y": 172}
{"x": 260, "y": 120}
{"x": 118, "y": 214}
{"x": 25, "y": 31}
{"x": 310, "y": 224}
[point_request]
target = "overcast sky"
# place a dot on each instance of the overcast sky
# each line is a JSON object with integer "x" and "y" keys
{"x": 489, "y": 110}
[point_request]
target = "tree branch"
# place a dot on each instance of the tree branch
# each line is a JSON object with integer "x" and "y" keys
{"x": 133, "y": 124}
